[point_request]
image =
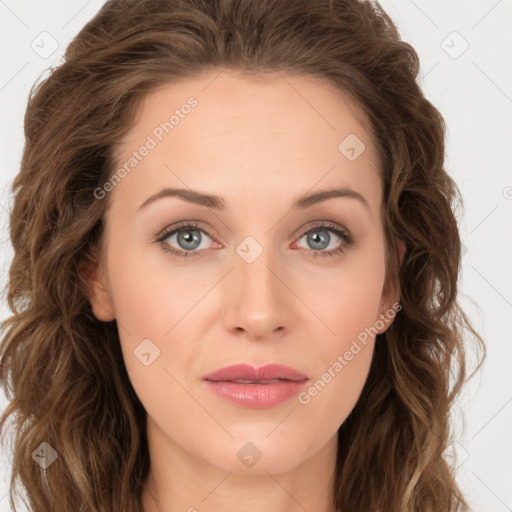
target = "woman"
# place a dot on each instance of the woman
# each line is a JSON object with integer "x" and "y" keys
{"x": 234, "y": 283}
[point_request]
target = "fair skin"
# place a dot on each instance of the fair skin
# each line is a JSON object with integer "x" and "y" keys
{"x": 260, "y": 145}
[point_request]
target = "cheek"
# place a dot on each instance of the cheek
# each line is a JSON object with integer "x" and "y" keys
{"x": 348, "y": 307}
{"x": 333, "y": 394}
{"x": 346, "y": 298}
{"x": 344, "y": 357}
{"x": 147, "y": 299}
{"x": 160, "y": 312}
{"x": 146, "y": 308}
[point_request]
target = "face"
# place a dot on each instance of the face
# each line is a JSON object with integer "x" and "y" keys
{"x": 252, "y": 275}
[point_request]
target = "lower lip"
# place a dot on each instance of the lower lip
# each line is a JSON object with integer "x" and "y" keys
{"x": 256, "y": 396}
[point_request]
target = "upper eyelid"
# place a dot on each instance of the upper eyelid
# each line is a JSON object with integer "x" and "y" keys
{"x": 173, "y": 229}
{"x": 170, "y": 230}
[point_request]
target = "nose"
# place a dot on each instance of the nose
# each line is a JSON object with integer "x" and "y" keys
{"x": 259, "y": 298}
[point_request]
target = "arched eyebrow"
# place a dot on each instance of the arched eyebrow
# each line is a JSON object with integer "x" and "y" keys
{"x": 189, "y": 195}
{"x": 218, "y": 203}
{"x": 309, "y": 200}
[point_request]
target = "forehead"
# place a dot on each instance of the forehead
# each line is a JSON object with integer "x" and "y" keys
{"x": 248, "y": 134}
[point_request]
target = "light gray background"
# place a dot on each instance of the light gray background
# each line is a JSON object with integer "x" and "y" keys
{"x": 472, "y": 87}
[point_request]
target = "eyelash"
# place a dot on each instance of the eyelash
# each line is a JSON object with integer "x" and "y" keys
{"x": 348, "y": 240}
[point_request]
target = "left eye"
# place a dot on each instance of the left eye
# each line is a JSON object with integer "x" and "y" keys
{"x": 319, "y": 239}
{"x": 318, "y": 236}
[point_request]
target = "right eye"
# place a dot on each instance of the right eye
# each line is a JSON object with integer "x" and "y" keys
{"x": 183, "y": 239}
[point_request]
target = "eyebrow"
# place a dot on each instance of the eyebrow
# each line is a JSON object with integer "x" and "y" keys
{"x": 218, "y": 203}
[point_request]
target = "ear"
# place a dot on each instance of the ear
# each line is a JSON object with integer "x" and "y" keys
{"x": 390, "y": 299}
{"x": 97, "y": 290}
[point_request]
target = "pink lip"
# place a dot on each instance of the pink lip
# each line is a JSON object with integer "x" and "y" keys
{"x": 248, "y": 372}
{"x": 256, "y": 395}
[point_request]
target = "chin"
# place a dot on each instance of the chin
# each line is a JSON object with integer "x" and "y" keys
{"x": 254, "y": 456}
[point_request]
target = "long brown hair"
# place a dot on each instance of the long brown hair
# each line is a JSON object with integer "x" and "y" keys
{"x": 63, "y": 370}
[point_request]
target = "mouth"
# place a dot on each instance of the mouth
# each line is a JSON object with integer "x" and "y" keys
{"x": 245, "y": 381}
{"x": 246, "y": 373}
{"x": 256, "y": 388}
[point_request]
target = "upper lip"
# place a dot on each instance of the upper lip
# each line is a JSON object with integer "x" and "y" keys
{"x": 249, "y": 372}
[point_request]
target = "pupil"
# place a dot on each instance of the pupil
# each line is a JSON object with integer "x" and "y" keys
{"x": 315, "y": 238}
{"x": 189, "y": 239}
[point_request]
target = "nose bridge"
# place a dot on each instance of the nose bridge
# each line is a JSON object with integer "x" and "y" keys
{"x": 259, "y": 301}
{"x": 255, "y": 273}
